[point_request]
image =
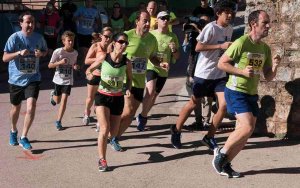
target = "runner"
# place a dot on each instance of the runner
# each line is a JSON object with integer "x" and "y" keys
{"x": 110, "y": 96}
{"x": 98, "y": 48}
{"x": 208, "y": 79}
{"x": 64, "y": 61}
{"x": 156, "y": 76}
{"x": 142, "y": 46}
{"x": 251, "y": 57}
{"x": 23, "y": 50}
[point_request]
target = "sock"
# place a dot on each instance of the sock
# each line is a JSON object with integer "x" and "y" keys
{"x": 224, "y": 151}
{"x": 13, "y": 131}
{"x": 23, "y": 137}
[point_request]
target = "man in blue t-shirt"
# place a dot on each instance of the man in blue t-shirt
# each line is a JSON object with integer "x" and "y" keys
{"x": 22, "y": 51}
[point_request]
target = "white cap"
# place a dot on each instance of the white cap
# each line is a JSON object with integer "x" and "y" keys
{"x": 162, "y": 14}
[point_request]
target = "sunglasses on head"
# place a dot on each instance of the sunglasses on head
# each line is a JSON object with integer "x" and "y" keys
{"x": 165, "y": 18}
{"x": 123, "y": 42}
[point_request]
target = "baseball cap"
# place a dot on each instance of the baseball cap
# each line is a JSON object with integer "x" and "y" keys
{"x": 162, "y": 14}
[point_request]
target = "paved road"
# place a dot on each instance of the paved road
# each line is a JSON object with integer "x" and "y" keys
{"x": 69, "y": 158}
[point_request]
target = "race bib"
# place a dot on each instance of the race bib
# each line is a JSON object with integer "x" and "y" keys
{"x": 256, "y": 61}
{"x": 28, "y": 64}
{"x": 87, "y": 23}
{"x": 49, "y": 30}
{"x": 65, "y": 71}
{"x": 112, "y": 84}
{"x": 139, "y": 65}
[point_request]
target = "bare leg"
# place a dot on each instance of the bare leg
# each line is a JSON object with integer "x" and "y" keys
{"x": 14, "y": 116}
{"x": 238, "y": 138}
{"x": 103, "y": 116}
{"x": 90, "y": 98}
{"x": 186, "y": 111}
{"x": 130, "y": 107}
{"x": 149, "y": 97}
{"x": 114, "y": 125}
{"x": 62, "y": 107}
{"x": 30, "y": 113}
{"x": 218, "y": 117}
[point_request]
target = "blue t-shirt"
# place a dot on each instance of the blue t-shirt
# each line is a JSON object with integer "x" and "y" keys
{"x": 85, "y": 25}
{"x": 24, "y": 69}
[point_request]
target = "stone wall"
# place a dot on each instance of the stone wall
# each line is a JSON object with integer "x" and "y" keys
{"x": 280, "y": 99}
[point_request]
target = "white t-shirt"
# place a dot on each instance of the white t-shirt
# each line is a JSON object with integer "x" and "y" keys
{"x": 64, "y": 73}
{"x": 207, "y": 61}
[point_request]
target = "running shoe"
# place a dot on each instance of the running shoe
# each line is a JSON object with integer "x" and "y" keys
{"x": 24, "y": 142}
{"x": 210, "y": 142}
{"x": 219, "y": 161}
{"x": 229, "y": 172}
{"x": 142, "y": 121}
{"x": 13, "y": 138}
{"x": 86, "y": 120}
{"x": 175, "y": 137}
{"x": 58, "y": 125}
{"x": 102, "y": 165}
{"x": 51, "y": 98}
{"x": 114, "y": 143}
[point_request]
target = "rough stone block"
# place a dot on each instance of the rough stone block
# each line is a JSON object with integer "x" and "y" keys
{"x": 284, "y": 74}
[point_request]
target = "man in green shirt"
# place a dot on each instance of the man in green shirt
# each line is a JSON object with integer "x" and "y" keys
{"x": 251, "y": 57}
{"x": 142, "y": 47}
{"x": 156, "y": 76}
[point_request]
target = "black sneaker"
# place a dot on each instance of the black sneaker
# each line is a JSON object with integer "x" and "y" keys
{"x": 219, "y": 161}
{"x": 210, "y": 142}
{"x": 142, "y": 121}
{"x": 194, "y": 126}
{"x": 229, "y": 172}
{"x": 175, "y": 137}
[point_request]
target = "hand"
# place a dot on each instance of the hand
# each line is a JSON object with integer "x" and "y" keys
{"x": 276, "y": 60}
{"x": 76, "y": 67}
{"x": 89, "y": 75}
{"x": 248, "y": 71}
{"x": 38, "y": 53}
{"x": 164, "y": 65}
{"x": 24, "y": 52}
{"x": 172, "y": 46}
{"x": 225, "y": 45}
{"x": 128, "y": 93}
{"x": 63, "y": 61}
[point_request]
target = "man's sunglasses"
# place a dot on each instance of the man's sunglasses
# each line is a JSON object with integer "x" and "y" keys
{"x": 165, "y": 18}
{"x": 123, "y": 42}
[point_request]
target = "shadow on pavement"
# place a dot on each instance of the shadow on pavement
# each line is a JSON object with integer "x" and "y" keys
{"x": 287, "y": 170}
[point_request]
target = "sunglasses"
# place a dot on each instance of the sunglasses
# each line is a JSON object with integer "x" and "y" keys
{"x": 107, "y": 36}
{"x": 123, "y": 42}
{"x": 165, "y": 18}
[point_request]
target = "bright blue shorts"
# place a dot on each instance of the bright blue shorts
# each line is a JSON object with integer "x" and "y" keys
{"x": 238, "y": 102}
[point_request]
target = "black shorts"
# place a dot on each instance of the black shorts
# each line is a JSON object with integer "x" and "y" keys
{"x": 51, "y": 42}
{"x": 114, "y": 103}
{"x": 138, "y": 93}
{"x": 160, "y": 82}
{"x": 19, "y": 93}
{"x": 59, "y": 89}
{"x": 84, "y": 40}
{"x": 94, "y": 81}
{"x": 208, "y": 88}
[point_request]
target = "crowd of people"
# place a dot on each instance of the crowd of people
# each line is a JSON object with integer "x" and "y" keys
{"x": 128, "y": 64}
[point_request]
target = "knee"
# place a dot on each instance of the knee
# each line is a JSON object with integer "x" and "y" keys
{"x": 248, "y": 130}
{"x": 103, "y": 132}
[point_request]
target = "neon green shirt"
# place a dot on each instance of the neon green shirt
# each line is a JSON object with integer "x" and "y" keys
{"x": 139, "y": 50}
{"x": 244, "y": 52}
{"x": 164, "y": 52}
{"x": 172, "y": 17}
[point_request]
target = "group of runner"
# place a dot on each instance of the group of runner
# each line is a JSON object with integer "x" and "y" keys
{"x": 124, "y": 65}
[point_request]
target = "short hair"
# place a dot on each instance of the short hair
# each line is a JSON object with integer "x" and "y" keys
{"x": 253, "y": 17}
{"x": 139, "y": 13}
{"x": 24, "y": 14}
{"x": 222, "y": 6}
{"x": 66, "y": 34}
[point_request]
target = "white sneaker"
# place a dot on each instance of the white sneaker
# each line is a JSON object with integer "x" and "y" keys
{"x": 86, "y": 120}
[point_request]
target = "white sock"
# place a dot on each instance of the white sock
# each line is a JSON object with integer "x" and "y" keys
{"x": 224, "y": 151}
{"x": 23, "y": 137}
{"x": 14, "y": 131}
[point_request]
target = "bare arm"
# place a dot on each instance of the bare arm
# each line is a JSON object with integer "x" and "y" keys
{"x": 224, "y": 64}
{"x": 205, "y": 47}
{"x": 55, "y": 64}
{"x": 270, "y": 72}
{"x": 128, "y": 77}
{"x": 96, "y": 64}
{"x": 91, "y": 55}
{"x": 7, "y": 57}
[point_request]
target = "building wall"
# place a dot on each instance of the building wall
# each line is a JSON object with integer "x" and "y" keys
{"x": 280, "y": 98}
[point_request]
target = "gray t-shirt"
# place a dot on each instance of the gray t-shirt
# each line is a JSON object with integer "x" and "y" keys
{"x": 64, "y": 73}
{"x": 207, "y": 61}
